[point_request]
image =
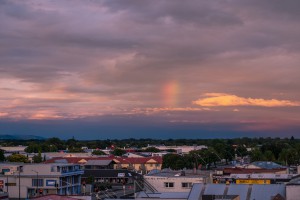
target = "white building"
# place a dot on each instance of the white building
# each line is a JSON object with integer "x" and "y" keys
{"x": 181, "y": 149}
{"x": 30, "y": 180}
{"x": 175, "y": 181}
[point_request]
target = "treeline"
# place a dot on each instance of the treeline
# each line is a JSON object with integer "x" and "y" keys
{"x": 285, "y": 151}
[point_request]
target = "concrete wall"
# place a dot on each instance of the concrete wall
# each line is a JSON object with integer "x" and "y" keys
{"x": 292, "y": 192}
{"x": 159, "y": 183}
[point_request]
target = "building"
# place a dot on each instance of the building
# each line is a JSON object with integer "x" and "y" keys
{"x": 175, "y": 181}
{"x": 139, "y": 164}
{"x": 111, "y": 176}
{"x": 30, "y": 180}
{"x": 293, "y": 189}
{"x": 221, "y": 191}
{"x": 264, "y": 165}
{"x": 180, "y": 149}
{"x": 252, "y": 175}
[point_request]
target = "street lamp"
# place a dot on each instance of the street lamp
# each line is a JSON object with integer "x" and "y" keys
{"x": 20, "y": 169}
{"x": 37, "y": 181}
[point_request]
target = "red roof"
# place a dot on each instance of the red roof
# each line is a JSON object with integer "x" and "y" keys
{"x": 139, "y": 160}
{"x": 75, "y": 160}
{"x": 122, "y": 160}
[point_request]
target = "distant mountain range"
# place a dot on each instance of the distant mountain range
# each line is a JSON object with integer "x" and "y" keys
{"x": 21, "y": 137}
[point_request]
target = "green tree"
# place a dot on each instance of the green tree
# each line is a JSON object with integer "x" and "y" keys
{"x": 17, "y": 158}
{"x": 33, "y": 148}
{"x": 269, "y": 156}
{"x": 152, "y": 149}
{"x": 2, "y": 157}
{"x": 170, "y": 161}
{"x": 98, "y": 152}
{"x": 37, "y": 158}
{"x": 56, "y": 143}
{"x": 118, "y": 152}
{"x": 257, "y": 155}
{"x": 289, "y": 156}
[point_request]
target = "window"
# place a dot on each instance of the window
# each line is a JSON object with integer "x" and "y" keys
{"x": 37, "y": 181}
{"x": 169, "y": 184}
{"x": 187, "y": 185}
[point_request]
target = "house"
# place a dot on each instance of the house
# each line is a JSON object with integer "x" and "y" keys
{"x": 104, "y": 162}
{"x": 139, "y": 164}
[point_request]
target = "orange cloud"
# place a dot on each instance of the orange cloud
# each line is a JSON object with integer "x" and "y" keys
{"x": 222, "y": 99}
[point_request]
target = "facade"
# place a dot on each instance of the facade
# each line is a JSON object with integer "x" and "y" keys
{"x": 175, "y": 181}
{"x": 111, "y": 176}
{"x": 141, "y": 165}
{"x": 222, "y": 191}
{"x": 32, "y": 180}
{"x": 138, "y": 164}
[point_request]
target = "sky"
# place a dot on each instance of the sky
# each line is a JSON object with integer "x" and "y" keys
{"x": 98, "y": 69}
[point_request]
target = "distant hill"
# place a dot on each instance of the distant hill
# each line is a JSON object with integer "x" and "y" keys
{"x": 21, "y": 137}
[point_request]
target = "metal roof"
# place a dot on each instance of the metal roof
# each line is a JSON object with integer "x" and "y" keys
{"x": 98, "y": 162}
{"x": 241, "y": 190}
{"x": 267, "y": 165}
{"x": 267, "y": 191}
{"x": 216, "y": 189}
{"x": 195, "y": 191}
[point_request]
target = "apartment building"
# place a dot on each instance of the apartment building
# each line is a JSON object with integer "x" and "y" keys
{"x": 24, "y": 181}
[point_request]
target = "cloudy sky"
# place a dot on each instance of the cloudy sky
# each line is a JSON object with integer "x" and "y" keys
{"x": 150, "y": 69}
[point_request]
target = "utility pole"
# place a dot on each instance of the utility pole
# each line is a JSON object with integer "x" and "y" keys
{"x": 20, "y": 183}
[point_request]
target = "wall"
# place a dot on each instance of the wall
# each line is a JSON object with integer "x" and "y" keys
{"x": 292, "y": 192}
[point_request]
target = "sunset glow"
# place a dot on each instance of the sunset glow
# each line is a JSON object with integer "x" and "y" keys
{"x": 116, "y": 69}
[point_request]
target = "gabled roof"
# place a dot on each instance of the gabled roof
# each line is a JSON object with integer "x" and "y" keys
{"x": 267, "y": 165}
{"x": 77, "y": 160}
{"x": 99, "y": 162}
{"x": 121, "y": 160}
{"x": 138, "y": 160}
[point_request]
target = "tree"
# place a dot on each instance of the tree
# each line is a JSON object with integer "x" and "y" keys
{"x": 98, "y": 152}
{"x": 269, "y": 156}
{"x": 118, "y": 152}
{"x": 2, "y": 157}
{"x": 56, "y": 143}
{"x": 37, "y": 158}
{"x": 33, "y": 148}
{"x": 152, "y": 149}
{"x": 257, "y": 155}
{"x": 170, "y": 161}
{"x": 17, "y": 158}
{"x": 289, "y": 156}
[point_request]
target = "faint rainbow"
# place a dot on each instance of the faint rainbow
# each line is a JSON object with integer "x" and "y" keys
{"x": 170, "y": 91}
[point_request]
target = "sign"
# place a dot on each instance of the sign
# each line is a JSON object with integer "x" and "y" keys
{"x": 252, "y": 181}
{"x": 50, "y": 182}
{"x": 121, "y": 174}
{"x": 10, "y": 184}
